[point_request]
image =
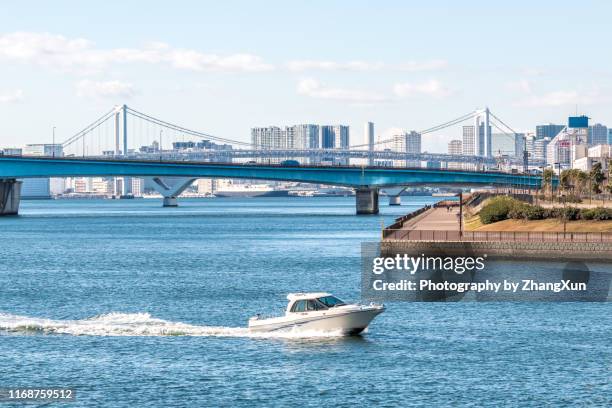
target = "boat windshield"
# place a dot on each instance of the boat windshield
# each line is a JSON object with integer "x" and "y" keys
{"x": 331, "y": 301}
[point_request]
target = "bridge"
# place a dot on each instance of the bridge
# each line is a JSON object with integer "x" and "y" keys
{"x": 366, "y": 180}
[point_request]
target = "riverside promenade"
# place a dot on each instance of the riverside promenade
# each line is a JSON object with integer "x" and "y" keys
{"x": 438, "y": 228}
{"x": 435, "y": 219}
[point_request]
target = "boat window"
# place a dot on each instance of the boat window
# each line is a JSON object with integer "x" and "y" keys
{"x": 299, "y": 306}
{"x": 330, "y": 301}
{"x": 313, "y": 305}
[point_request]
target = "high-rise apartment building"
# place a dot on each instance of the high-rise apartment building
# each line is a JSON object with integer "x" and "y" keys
{"x": 304, "y": 136}
{"x": 455, "y": 147}
{"x": 469, "y": 141}
{"x": 334, "y": 137}
{"x": 271, "y": 137}
{"x": 413, "y": 142}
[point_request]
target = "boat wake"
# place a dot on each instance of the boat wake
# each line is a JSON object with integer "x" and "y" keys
{"x": 137, "y": 324}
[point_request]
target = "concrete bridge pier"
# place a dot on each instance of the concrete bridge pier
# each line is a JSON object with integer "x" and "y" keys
{"x": 366, "y": 200}
{"x": 394, "y": 194}
{"x": 171, "y": 188}
{"x": 10, "y": 196}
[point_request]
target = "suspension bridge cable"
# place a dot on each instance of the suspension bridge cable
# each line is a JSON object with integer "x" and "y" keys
{"x": 172, "y": 126}
{"x": 91, "y": 126}
{"x": 436, "y": 128}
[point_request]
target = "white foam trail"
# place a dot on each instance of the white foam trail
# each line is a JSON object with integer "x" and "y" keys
{"x": 138, "y": 324}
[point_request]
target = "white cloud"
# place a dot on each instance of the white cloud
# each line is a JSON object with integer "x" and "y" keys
{"x": 562, "y": 98}
{"x": 11, "y": 96}
{"x": 81, "y": 55}
{"x": 522, "y": 85}
{"x": 431, "y": 87}
{"x": 314, "y": 89}
{"x": 411, "y": 66}
{"x": 106, "y": 89}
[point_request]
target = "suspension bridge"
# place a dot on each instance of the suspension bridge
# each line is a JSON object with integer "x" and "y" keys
{"x": 128, "y": 143}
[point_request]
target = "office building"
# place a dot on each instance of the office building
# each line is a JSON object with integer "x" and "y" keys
{"x": 548, "y": 130}
{"x": 610, "y": 136}
{"x": 484, "y": 142}
{"x": 598, "y": 134}
{"x": 539, "y": 149}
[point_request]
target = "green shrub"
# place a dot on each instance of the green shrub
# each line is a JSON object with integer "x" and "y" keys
{"x": 570, "y": 213}
{"x": 497, "y": 209}
{"x": 534, "y": 212}
{"x": 587, "y": 214}
{"x": 599, "y": 214}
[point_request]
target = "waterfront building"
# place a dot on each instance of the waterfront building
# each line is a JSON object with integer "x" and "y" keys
{"x": 38, "y": 188}
{"x": 598, "y": 134}
{"x": 12, "y": 151}
{"x": 609, "y": 135}
{"x": 137, "y": 186}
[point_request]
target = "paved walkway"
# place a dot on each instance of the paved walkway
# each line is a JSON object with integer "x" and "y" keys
{"x": 435, "y": 219}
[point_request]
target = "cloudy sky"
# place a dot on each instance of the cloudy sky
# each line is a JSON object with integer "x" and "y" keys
{"x": 223, "y": 67}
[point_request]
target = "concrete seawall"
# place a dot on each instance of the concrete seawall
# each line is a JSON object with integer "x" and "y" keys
{"x": 561, "y": 251}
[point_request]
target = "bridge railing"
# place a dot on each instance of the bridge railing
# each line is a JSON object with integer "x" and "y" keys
{"x": 494, "y": 236}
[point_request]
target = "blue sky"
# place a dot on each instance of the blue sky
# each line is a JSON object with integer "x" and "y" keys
{"x": 223, "y": 67}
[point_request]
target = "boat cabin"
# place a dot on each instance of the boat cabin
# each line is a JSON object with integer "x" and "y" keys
{"x": 310, "y": 302}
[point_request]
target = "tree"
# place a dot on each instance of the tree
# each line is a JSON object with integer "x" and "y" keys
{"x": 596, "y": 178}
{"x": 547, "y": 180}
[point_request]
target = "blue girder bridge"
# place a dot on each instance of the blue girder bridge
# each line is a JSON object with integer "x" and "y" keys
{"x": 366, "y": 180}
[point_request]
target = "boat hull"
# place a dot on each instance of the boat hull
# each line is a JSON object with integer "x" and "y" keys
{"x": 347, "y": 323}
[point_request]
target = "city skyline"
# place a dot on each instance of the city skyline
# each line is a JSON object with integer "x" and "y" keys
{"x": 228, "y": 76}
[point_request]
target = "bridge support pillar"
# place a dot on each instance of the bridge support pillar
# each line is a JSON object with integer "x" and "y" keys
{"x": 171, "y": 188}
{"x": 366, "y": 200}
{"x": 394, "y": 194}
{"x": 10, "y": 196}
{"x": 170, "y": 202}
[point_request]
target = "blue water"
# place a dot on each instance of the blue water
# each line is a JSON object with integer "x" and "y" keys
{"x": 135, "y": 305}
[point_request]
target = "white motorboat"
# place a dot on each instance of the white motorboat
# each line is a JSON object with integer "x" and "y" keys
{"x": 319, "y": 312}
